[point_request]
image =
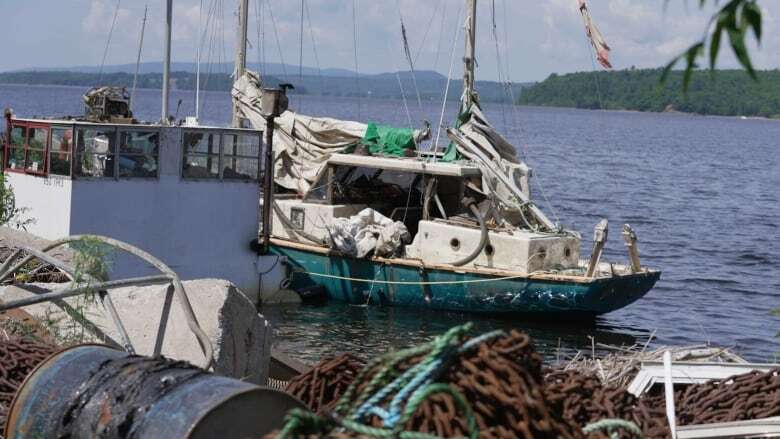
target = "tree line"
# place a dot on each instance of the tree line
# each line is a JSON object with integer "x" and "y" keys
{"x": 718, "y": 92}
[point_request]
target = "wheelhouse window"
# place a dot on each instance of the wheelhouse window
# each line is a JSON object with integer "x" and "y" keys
{"x": 27, "y": 150}
{"x": 37, "y": 139}
{"x": 16, "y": 153}
{"x": 221, "y": 154}
{"x": 138, "y": 153}
{"x": 60, "y": 151}
{"x": 201, "y": 154}
{"x": 241, "y": 156}
{"x": 95, "y": 152}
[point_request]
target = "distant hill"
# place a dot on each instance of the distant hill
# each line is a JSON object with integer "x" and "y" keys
{"x": 336, "y": 82}
{"x": 724, "y": 92}
{"x": 157, "y": 67}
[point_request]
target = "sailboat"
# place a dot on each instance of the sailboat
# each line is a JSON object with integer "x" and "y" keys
{"x": 361, "y": 216}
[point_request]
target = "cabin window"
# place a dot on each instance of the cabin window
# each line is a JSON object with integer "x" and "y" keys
{"x": 375, "y": 187}
{"x": 138, "y": 153}
{"x": 60, "y": 151}
{"x": 201, "y": 155}
{"x": 241, "y": 156}
{"x": 16, "y": 149}
{"x": 36, "y": 149}
{"x": 95, "y": 152}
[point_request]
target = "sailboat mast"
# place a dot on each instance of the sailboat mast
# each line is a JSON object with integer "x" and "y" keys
{"x": 197, "y": 64}
{"x": 167, "y": 60}
{"x": 243, "y": 14}
{"x": 469, "y": 60}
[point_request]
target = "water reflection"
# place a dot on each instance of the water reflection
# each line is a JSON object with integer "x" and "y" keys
{"x": 309, "y": 333}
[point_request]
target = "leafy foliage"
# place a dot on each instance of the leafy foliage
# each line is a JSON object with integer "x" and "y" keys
{"x": 736, "y": 19}
{"x": 10, "y": 214}
{"x": 723, "y": 92}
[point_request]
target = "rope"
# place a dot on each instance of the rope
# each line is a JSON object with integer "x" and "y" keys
{"x": 108, "y": 41}
{"x": 314, "y": 49}
{"x": 412, "y": 388}
{"x": 611, "y": 426}
{"x": 421, "y": 283}
{"x": 278, "y": 43}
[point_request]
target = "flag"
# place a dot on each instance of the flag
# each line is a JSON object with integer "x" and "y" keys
{"x": 595, "y": 37}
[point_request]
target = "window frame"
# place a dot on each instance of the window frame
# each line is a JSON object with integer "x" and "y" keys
{"x": 220, "y": 134}
{"x": 70, "y": 152}
{"x": 27, "y": 125}
{"x": 118, "y": 153}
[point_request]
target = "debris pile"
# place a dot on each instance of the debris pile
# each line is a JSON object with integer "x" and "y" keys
{"x": 18, "y": 357}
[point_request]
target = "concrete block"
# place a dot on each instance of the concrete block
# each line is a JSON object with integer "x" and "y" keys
{"x": 240, "y": 336}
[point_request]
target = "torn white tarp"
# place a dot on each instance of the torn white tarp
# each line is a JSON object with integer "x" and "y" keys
{"x": 594, "y": 35}
{"x": 367, "y": 231}
{"x": 302, "y": 144}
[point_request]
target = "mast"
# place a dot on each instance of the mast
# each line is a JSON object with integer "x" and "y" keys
{"x": 167, "y": 60}
{"x": 197, "y": 66}
{"x": 243, "y": 14}
{"x": 469, "y": 60}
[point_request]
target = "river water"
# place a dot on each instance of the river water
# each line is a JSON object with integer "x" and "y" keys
{"x": 701, "y": 192}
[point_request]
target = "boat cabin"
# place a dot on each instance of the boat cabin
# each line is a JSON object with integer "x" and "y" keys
{"x": 188, "y": 195}
{"x": 428, "y": 197}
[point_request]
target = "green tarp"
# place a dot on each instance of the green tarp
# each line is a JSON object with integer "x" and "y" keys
{"x": 386, "y": 140}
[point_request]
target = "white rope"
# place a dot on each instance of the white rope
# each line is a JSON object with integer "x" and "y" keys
{"x": 389, "y": 282}
{"x": 408, "y": 54}
{"x": 447, "y": 87}
{"x": 314, "y": 49}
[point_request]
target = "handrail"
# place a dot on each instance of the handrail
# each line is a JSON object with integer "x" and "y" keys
{"x": 168, "y": 275}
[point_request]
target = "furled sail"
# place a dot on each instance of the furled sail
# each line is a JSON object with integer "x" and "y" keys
{"x": 505, "y": 179}
{"x": 594, "y": 35}
{"x": 302, "y": 144}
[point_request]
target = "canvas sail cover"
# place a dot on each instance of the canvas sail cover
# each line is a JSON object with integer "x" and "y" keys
{"x": 302, "y": 144}
{"x": 505, "y": 179}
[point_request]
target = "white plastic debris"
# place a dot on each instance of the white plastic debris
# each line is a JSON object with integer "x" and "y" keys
{"x": 368, "y": 231}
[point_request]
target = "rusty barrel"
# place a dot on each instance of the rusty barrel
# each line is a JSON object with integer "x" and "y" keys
{"x": 96, "y": 391}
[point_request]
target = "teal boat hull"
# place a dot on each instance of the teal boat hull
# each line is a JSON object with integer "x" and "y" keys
{"x": 360, "y": 281}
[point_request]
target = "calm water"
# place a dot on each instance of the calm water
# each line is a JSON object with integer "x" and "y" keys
{"x": 701, "y": 192}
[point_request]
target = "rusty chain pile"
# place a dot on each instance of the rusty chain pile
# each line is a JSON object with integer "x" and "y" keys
{"x": 18, "y": 357}
{"x": 324, "y": 384}
{"x": 583, "y": 399}
{"x": 754, "y": 395}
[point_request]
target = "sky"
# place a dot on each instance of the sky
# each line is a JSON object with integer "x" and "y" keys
{"x": 535, "y": 37}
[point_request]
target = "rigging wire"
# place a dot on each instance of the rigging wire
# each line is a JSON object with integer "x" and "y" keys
{"x": 449, "y": 81}
{"x": 441, "y": 36}
{"x": 108, "y": 41}
{"x": 355, "y": 51}
{"x": 300, "y": 55}
{"x": 427, "y": 29}
{"x": 278, "y": 43}
{"x": 499, "y": 63}
{"x": 408, "y": 54}
{"x": 314, "y": 49}
{"x": 138, "y": 60}
{"x": 260, "y": 30}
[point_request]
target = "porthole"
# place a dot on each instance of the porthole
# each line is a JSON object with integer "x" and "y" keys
{"x": 455, "y": 243}
{"x": 489, "y": 250}
{"x": 542, "y": 252}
